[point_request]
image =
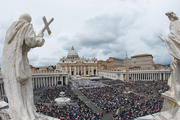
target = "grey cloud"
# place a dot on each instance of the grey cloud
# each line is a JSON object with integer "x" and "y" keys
{"x": 106, "y": 28}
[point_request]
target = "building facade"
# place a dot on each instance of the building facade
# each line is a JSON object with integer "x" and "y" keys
{"x": 138, "y": 62}
{"x": 75, "y": 65}
{"x": 112, "y": 63}
{"x": 143, "y": 61}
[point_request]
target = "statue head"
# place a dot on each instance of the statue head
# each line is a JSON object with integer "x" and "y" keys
{"x": 172, "y": 16}
{"x": 25, "y": 17}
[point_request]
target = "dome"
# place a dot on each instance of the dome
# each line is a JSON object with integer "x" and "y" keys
{"x": 72, "y": 53}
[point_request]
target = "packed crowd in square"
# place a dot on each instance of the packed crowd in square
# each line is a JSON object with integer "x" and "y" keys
{"x": 125, "y": 101}
{"x": 45, "y": 104}
{"x": 128, "y": 100}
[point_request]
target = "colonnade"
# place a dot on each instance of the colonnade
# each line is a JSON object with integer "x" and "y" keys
{"x": 149, "y": 76}
{"x": 137, "y": 75}
{"x": 42, "y": 80}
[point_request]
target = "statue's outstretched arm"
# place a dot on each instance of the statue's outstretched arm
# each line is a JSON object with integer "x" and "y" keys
{"x": 31, "y": 40}
{"x": 163, "y": 38}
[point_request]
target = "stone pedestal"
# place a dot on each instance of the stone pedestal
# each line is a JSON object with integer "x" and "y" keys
{"x": 169, "y": 102}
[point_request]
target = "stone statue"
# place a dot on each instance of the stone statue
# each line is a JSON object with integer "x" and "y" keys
{"x": 173, "y": 44}
{"x": 20, "y": 38}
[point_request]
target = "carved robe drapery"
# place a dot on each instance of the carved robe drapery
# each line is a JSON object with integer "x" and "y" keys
{"x": 20, "y": 38}
{"x": 173, "y": 45}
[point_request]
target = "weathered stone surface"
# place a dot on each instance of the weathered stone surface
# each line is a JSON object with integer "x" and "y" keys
{"x": 4, "y": 114}
{"x": 169, "y": 102}
{"x": 20, "y": 38}
{"x": 173, "y": 44}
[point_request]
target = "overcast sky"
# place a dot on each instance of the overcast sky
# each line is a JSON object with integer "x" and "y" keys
{"x": 96, "y": 28}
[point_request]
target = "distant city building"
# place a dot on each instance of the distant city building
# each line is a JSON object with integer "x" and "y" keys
{"x": 138, "y": 62}
{"x": 143, "y": 61}
{"x": 75, "y": 65}
{"x": 112, "y": 63}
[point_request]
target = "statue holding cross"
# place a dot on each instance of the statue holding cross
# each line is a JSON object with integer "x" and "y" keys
{"x": 17, "y": 76}
{"x": 46, "y": 27}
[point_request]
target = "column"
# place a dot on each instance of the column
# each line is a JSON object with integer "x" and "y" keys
{"x": 70, "y": 70}
{"x": 52, "y": 81}
{"x": 40, "y": 81}
{"x": 61, "y": 79}
{"x": 156, "y": 76}
{"x": 151, "y": 77}
{"x": 48, "y": 81}
{"x": 35, "y": 82}
{"x": 55, "y": 78}
{"x": 66, "y": 78}
{"x": 92, "y": 70}
{"x": 43, "y": 81}
{"x": 84, "y": 70}
{"x": 75, "y": 70}
{"x": 160, "y": 76}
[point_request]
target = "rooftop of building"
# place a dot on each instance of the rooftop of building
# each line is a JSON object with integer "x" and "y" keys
{"x": 142, "y": 55}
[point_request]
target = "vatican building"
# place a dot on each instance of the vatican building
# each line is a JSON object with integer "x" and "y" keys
{"x": 75, "y": 65}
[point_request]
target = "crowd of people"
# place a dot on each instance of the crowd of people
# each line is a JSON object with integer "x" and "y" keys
{"x": 77, "y": 110}
{"x": 125, "y": 100}
{"x": 128, "y": 100}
